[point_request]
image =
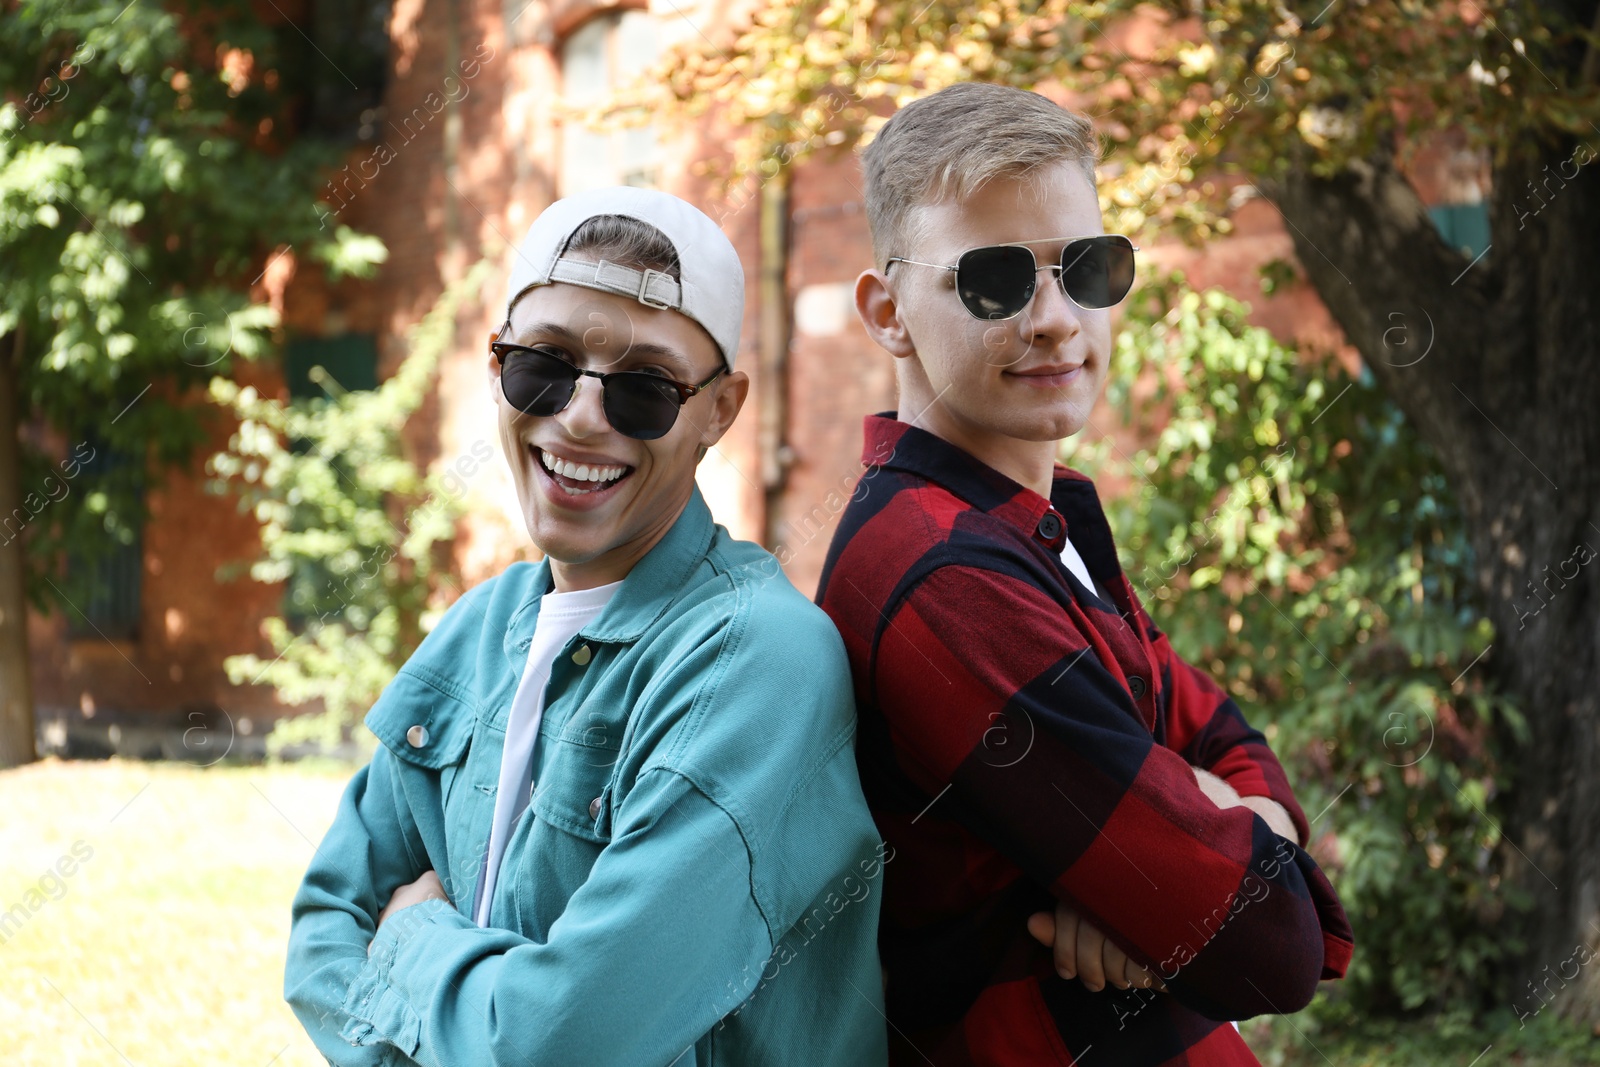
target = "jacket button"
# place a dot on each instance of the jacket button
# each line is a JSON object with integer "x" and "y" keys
{"x": 594, "y": 808}
{"x": 1136, "y": 686}
{"x": 417, "y": 736}
{"x": 581, "y": 656}
{"x": 1050, "y": 526}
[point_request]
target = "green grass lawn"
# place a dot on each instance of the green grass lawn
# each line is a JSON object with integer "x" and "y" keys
{"x": 165, "y": 946}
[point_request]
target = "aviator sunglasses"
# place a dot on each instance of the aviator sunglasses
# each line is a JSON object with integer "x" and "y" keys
{"x": 998, "y": 281}
{"x": 638, "y": 404}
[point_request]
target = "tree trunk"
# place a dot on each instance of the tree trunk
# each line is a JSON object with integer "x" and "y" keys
{"x": 1497, "y": 363}
{"x": 16, "y": 687}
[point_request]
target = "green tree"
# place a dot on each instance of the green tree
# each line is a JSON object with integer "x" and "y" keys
{"x": 1314, "y": 107}
{"x": 149, "y": 174}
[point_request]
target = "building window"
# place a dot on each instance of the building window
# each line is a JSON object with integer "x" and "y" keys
{"x": 603, "y": 55}
{"x": 317, "y": 367}
{"x": 108, "y": 582}
{"x": 335, "y": 60}
{"x": 350, "y": 360}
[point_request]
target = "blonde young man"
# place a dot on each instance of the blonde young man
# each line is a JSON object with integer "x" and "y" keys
{"x": 615, "y": 817}
{"x": 1098, "y": 860}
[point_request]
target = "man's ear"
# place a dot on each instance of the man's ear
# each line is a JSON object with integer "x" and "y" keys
{"x": 880, "y": 314}
{"x": 494, "y": 362}
{"x": 732, "y": 388}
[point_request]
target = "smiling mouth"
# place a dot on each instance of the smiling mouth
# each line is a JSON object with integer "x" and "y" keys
{"x": 1047, "y": 372}
{"x": 580, "y": 479}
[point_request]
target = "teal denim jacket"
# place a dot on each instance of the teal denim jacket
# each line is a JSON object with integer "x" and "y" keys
{"x": 695, "y": 881}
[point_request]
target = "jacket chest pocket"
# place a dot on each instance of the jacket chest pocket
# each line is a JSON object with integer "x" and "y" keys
{"x": 575, "y": 786}
{"x": 421, "y": 723}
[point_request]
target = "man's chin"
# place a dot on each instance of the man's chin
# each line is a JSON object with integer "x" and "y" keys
{"x": 556, "y": 539}
{"x": 1039, "y": 427}
{"x": 1066, "y": 418}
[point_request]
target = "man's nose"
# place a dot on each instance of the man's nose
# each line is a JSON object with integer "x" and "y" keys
{"x": 1050, "y": 315}
{"x": 584, "y": 415}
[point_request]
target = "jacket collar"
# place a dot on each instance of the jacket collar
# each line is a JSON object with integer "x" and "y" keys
{"x": 648, "y": 590}
{"x": 1073, "y": 503}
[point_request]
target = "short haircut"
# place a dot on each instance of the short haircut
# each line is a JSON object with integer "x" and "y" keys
{"x": 626, "y": 241}
{"x": 952, "y": 142}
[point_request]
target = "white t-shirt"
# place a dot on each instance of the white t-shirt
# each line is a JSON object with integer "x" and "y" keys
{"x": 561, "y": 615}
{"x": 1075, "y": 564}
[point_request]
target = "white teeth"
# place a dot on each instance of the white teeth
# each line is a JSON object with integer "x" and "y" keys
{"x": 580, "y": 471}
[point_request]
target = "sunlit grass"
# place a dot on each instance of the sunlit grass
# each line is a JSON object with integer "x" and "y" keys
{"x": 166, "y": 945}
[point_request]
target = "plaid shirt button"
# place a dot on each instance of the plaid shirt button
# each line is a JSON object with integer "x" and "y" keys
{"x": 1050, "y": 526}
{"x": 1136, "y": 686}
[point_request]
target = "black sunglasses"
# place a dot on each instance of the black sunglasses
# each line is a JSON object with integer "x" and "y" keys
{"x": 998, "y": 281}
{"x": 640, "y": 405}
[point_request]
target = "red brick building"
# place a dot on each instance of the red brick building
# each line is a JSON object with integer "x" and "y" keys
{"x": 467, "y": 147}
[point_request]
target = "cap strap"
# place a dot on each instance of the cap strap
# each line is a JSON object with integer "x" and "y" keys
{"x": 652, "y": 288}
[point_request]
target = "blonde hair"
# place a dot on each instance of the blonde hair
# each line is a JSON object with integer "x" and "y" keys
{"x": 951, "y": 143}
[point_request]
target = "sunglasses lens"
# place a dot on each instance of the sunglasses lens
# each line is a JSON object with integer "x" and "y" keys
{"x": 995, "y": 282}
{"x": 536, "y": 383}
{"x": 641, "y": 406}
{"x": 1097, "y": 272}
{"x": 638, "y": 405}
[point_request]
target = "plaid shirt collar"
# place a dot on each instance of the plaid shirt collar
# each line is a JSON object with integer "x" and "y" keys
{"x": 1074, "y": 504}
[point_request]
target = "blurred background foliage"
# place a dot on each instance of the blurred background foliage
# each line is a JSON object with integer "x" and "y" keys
{"x": 1251, "y": 86}
{"x": 130, "y": 265}
{"x": 351, "y": 523}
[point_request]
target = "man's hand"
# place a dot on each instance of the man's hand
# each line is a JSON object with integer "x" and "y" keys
{"x": 1222, "y": 795}
{"x": 1082, "y": 951}
{"x": 428, "y": 887}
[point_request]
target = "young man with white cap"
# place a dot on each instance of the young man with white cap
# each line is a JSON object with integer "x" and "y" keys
{"x": 615, "y": 817}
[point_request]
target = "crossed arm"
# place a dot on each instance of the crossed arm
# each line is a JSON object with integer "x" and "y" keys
{"x": 431, "y": 987}
{"x": 1083, "y": 951}
{"x": 1216, "y": 900}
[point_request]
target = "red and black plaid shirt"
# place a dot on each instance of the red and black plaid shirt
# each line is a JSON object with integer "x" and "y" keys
{"x": 1023, "y": 740}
